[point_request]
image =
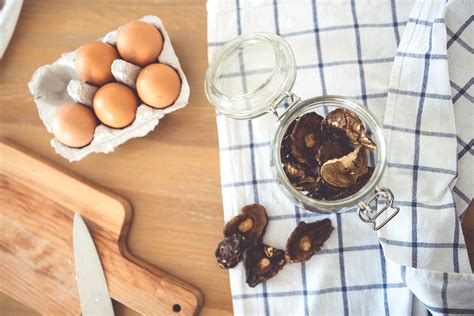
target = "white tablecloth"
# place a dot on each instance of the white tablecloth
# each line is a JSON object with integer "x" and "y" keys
{"x": 408, "y": 62}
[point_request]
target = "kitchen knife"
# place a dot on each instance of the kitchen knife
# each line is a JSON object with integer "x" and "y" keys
{"x": 93, "y": 291}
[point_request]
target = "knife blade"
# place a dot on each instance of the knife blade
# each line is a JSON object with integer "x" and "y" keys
{"x": 91, "y": 283}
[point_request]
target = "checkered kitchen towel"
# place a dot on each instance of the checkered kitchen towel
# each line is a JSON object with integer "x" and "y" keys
{"x": 411, "y": 64}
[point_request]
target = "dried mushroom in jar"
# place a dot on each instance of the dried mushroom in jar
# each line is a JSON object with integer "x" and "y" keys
{"x": 326, "y": 159}
{"x": 330, "y": 193}
{"x": 325, "y": 192}
{"x": 229, "y": 251}
{"x": 343, "y": 172}
{"x": 351, "y": 125}
{"x": 331, "y": 149}
{"x": 306, "y": 137}
{"x": 294, "y": 171}
{"x": 308, "y": 184}
{"x": 262, "y": 262}
{"x": 250, "y": 224}
{"x": 307, "y": 239}
{"x": 285, "y": 149}
{"x": 361, "y": 181}
{"x": 302, "y": 177}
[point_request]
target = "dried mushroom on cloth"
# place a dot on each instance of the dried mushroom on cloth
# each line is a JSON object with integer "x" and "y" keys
{"x": 251, "y": 224}
{"x": 307, "y": 240}
{"x": 241, "y": 232}
{"x": 243, "y": 239}
{"x": 262, "y": 262}
{"x": 229, "y": 251}
{"x": 326, "y": 158}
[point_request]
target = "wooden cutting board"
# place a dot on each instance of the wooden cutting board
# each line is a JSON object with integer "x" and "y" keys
{"x": 37, "y": 201}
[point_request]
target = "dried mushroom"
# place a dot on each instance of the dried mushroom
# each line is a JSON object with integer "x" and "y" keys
{"x": 306, "y": 137}
{"x": 262, "y": 262}
{"x": 308, "y": 184}
{"x": 307, "y": 240}
{"x": 229, "y": 251}
{"x": 331, "y": 193}
{"x": 352, "y": 126}
{"x": 326, "y": 192}
{"x": 250, "y": 224}
{"x": 361, "y": 181}
{"x": 331, "y": 149}
{"x": 326, "y": 159}
{"x": 343, "y": 172}
{"x": 294, "y": 171}
{"x": 285, "y": 150}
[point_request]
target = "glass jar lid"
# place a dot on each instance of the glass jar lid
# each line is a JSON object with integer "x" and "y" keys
{"x": 250, "y": 74}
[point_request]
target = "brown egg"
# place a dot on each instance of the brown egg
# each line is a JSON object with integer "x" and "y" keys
{"x": 158, "y": 85}
{"x": 74, "y": 125}
{"x": 115, "y": 105}
{"x": 93, "y": 62}
{"x": 139, "y": 43}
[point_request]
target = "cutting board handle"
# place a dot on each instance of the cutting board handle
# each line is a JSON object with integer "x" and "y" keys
{"x": 150, "y": 291}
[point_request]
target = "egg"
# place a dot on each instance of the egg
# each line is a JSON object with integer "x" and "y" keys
{"x": 115, "y": 105}
{"x": 74, "y": 124}
{"x": 93, "y": 62}
{"x": 139, "y": 43}
{"x": 158, "y": 85}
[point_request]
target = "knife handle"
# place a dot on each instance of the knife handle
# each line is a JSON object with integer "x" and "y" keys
{"x": 147, "y": 289}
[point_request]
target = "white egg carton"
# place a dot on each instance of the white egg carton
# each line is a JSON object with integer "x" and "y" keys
{"x": 58, "y": 83}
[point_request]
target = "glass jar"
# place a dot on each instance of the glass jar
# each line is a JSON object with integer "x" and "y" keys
{"x": 252, "y": 75}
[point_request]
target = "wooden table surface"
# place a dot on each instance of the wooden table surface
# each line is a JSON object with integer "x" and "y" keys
{"x": 171, "y": 176}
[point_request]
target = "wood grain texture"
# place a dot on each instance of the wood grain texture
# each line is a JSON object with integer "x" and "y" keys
{"x": 36, "y": 262}
{"x": 171, "y": 176}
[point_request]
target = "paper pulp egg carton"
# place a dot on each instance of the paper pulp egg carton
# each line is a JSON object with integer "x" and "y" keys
{"x": 58, "y": 83}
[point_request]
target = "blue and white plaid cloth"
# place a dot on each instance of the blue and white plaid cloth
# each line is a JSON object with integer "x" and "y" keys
{"x": 411, "y": 64}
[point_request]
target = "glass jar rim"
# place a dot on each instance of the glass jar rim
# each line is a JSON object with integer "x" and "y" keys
{"x": 309, "y": 105}
{"x": 264, "y": 96}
